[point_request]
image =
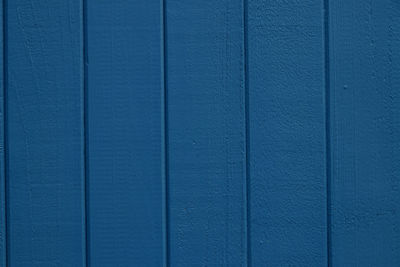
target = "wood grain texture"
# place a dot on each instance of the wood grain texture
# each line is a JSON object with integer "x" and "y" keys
{"x": 206, "y": 120}
{"x": 199, "y": 133}
{"x": 125, "y": 133}
{"x": 365, "y": 75}
{"x": 287, "y": 133}
{"x": 45, "y": 130}
{"x": 45, "y": 134}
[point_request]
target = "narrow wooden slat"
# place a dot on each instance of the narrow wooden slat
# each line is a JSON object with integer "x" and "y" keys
{"x": 287, "y": 133}
{"x": 3, "y": 216}
{"x": 125, "y": 133}
{"x": 206, "y": 122}
{"x": 45, "y": 133}
{"x": 365, "y": 75}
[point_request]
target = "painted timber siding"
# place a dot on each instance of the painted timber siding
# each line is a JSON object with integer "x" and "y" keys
{"x": 200, "y": 133}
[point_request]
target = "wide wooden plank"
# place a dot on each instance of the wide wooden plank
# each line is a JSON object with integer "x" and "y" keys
{"x": 45, "y": 134}
{"x": 365, "y": 82}
{"x": 206, "y": 122}
{"x": 125, "y": 133}
{"x": 287, "y": 133}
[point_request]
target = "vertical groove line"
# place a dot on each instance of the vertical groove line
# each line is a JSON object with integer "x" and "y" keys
{"x": 165, "y": 139}
{"x": 5, "y": 138}
{"x": 328, "y": 131}
{"x": 86, "y": 134}
{"x": 247, "y": 133}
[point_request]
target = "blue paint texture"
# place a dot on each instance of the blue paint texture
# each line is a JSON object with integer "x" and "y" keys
{"x": 125, "y": 134}
{"x": 287, "y": 133}
{"x": 44, "y": 133}
{"x": 199, "y": 133}
{"x": 365, "y": 64}
{"x": 206, "y": 120}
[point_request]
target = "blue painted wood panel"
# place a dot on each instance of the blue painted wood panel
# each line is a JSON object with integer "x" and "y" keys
{"x": 191, "y": 133}
{"x": 365, "y": 115}
{"x": 125, "y": 133}
{"x": 287, "y": 133}
{"x": 206, "y": 133}
{"x": 45, "y": 168}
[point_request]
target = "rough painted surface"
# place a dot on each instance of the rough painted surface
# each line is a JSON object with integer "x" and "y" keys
{"x": 365, "y": 75}
{"x": 200, "y": 133}
{"x": 45, "y": 134}
{"x": 287, "y": 133}
{"x": 124, "y": 133}
{"x": 206, "y": 113}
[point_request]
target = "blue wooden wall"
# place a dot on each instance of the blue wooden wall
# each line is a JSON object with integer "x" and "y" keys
{"x": 199, "y": 133}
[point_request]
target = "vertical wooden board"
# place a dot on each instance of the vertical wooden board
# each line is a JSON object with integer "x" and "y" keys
{"x": 3, "y": 235}
{"x": 125, "y": 133}
{"x": 206, "y": 122}
{"x": 365, "y": 81}
{"x": 287, "y": 133}
{"x": 45, "y": 134}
